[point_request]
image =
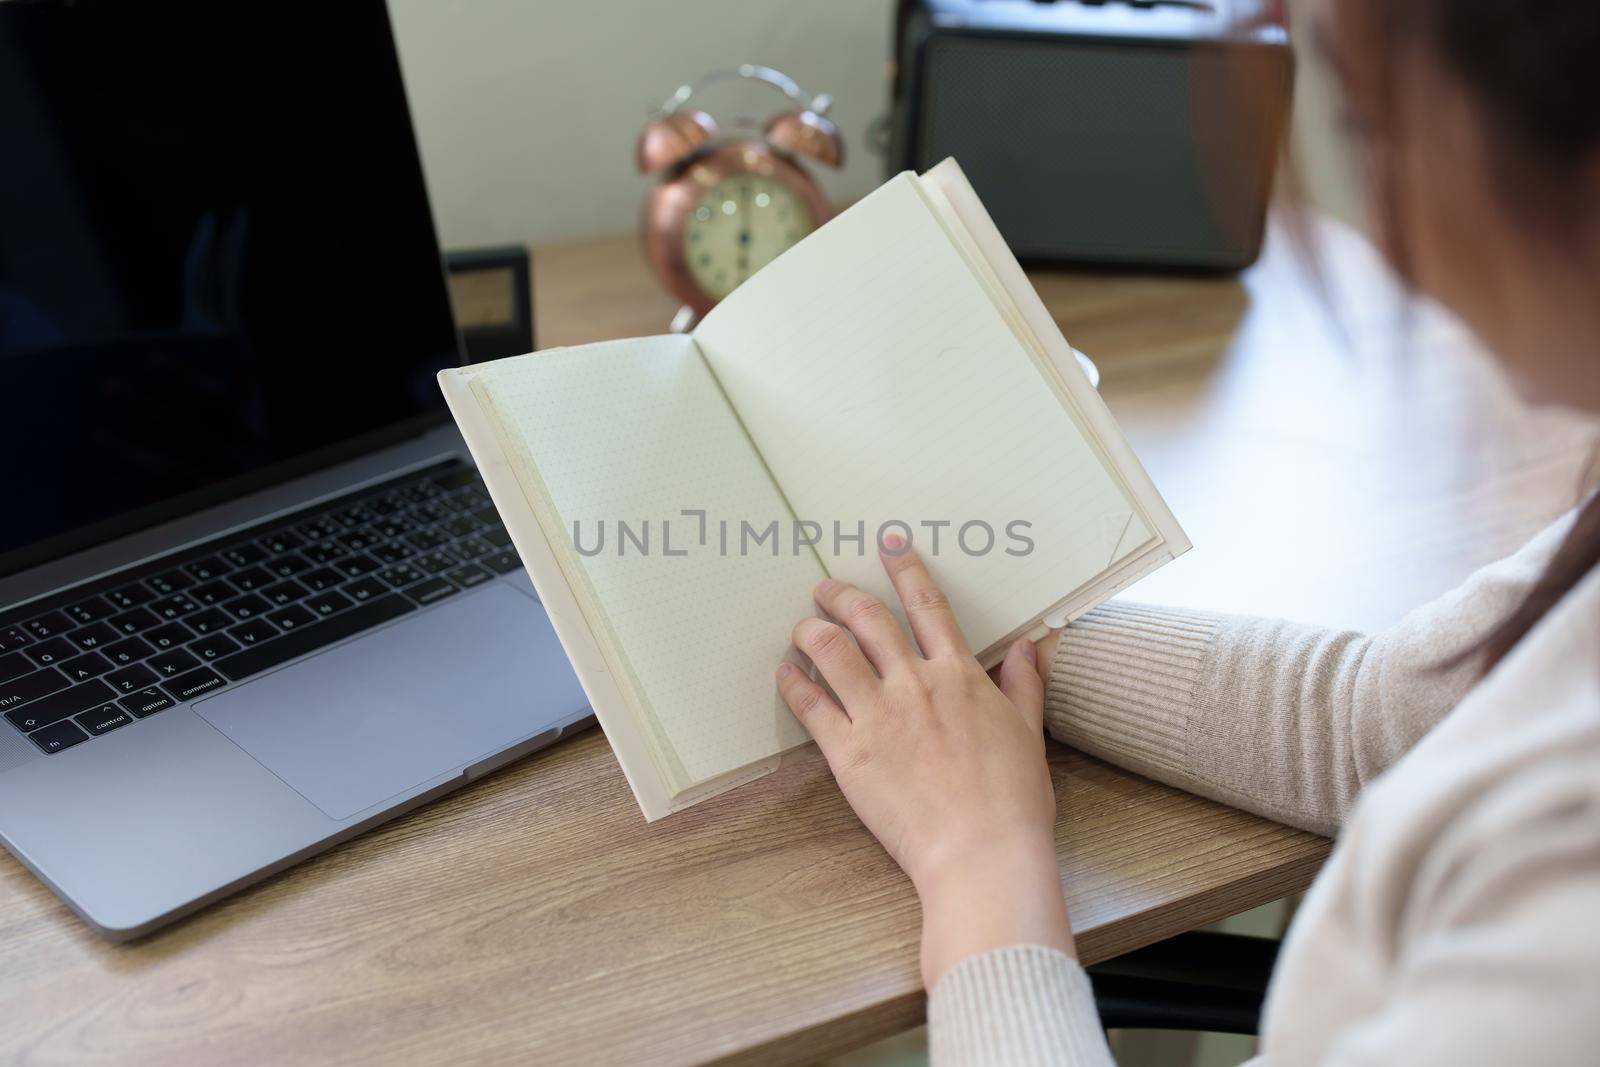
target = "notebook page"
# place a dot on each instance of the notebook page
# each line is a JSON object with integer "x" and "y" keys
{"x": 638, "y": 431}
{"x": 882, "y": 384}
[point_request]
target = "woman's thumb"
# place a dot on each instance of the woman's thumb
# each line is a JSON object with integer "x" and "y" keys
{"x": 1020, "y": 682}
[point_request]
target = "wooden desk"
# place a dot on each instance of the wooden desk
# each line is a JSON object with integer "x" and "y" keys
{"x": 534, "y": 917}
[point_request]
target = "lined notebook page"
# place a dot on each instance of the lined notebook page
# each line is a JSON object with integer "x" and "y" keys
{"x": 880, "y": 382}
{"x": 639, "y": 431}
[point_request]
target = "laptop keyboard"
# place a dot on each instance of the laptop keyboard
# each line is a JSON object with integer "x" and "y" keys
{"x": 108, "y": 653}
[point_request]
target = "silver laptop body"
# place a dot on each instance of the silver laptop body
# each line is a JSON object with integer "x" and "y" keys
{"x": 253, "y": 597}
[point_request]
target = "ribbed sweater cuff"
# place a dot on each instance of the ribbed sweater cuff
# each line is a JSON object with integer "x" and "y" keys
{"x": 1123, "y": 680}
{"x": 1023, "y": 1006}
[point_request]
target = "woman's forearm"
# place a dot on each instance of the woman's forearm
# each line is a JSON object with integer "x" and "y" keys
{"x": 1279, "y": 718}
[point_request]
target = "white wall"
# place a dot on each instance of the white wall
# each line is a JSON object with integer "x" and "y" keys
{"x": 527, "y": 110}
{"x": 1322, "y": 153}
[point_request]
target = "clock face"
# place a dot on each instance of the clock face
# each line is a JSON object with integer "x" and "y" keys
{"x": 739, "y": 226}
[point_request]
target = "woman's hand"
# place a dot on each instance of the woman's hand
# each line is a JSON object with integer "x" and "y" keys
{"x": 947, "y": 770}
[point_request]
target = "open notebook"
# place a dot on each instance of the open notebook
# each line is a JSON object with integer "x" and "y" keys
{"x": 677, "y": 498}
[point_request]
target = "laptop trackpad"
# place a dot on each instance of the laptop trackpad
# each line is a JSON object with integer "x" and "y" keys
{"x": 359, "y": 724}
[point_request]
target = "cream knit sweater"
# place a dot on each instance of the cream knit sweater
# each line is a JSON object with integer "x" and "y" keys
{"x": 1458, "y": 919}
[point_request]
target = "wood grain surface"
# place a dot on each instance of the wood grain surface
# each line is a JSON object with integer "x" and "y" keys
{"x": 1332, "y": 472}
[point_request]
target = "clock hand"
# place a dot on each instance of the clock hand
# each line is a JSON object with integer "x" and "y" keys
{"x": 744, "y": 233}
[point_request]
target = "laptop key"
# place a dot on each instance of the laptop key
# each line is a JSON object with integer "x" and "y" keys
{"x": 387, "y": 504}
{"x": 169, "y": 583}
{"x": 20, "y": 690}
{"x": 13, "y": 638}
{"x": 213, "y": 592}
{"x": 470, "y": 549}
{"x": 325, "y": 604}
{"x": 502, "y": 562}
{"x": 365, "y": 589}
{"x": 460, "y": 526}
{"x": 146, "y": 702}
{"x": 62, "y": 735}
{"x": 82, "y": 668}
{"x": 321, "y": 578}
{"x": 52, "y": 651}
{"x": 173, "y": 607}
{"x": 49, "y": 625}
{"x": 496, "y": 535}
{"x": 317, "y": 529}
{"x": 293, "y": 617}
{"x": 359, "y": 540}
{"x": 172, "y": 663}
{"x": 402, "y": 574}
{"x": 91, "y": 610}
{"x": 289, "y": 566}
{"x": 95, "y": 635}
{"x": 214, "y": 647}
{"x": 310, "y": 638}
{"x": 252, "y": 578}
{"x": 253, "y": 631}
{"x": 193, "y": 684}
{"x": 103, "y": 720}
{"x": 170, "y": 636}
{"x": 204, "y": 570}
{"x": 285, "y": 592}
{"x": 131, "y": 679}
{"x": 135, "y": 621}
{"x": 427, "y": 540}
{"x": 60, "y": 704}
{"x": 431, "y": 591}
{"x": 210, "y": 621}
{"x": 244, "y": 555}
{"x": 325, "y": 551}
{"x": 131, "y": 596}
{"x": 394, "y": 552}
{"x": 15, "y": 665}
{"x": 357, "y": 566}
{"x": 246, "y": 607}
{"x": 128, "y": 650}
{"x": 283, "y": 541}
{"x": 435, "y": 562}
{"x": 469, "y": 576}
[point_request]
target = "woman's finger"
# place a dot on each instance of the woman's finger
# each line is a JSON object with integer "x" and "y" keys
{"x": 927, "y": 608}
{"x": 1021, "y": 684}
{"x": 818, "y": 712}
{"x": 870, "y": 620}
{"x": 839, "y": 660}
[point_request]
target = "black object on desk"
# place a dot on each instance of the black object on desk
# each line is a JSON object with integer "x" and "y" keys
{"x": 492, "y": 295}
{"x": 1195, "y": 981}
{"x": 1113, "y": 132}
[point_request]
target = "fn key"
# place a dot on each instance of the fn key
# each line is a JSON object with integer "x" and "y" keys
{"x": 63, "y": 734}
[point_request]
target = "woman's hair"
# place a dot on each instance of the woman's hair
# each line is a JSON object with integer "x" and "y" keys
{"x": 1526, "y": 66}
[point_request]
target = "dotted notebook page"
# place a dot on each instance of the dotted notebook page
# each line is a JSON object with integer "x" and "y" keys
{"x": 881, "y": 383}
{"x": 638, "y": 431}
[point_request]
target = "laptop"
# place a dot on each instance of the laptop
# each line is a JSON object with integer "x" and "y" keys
{"x": 253, "y": 596}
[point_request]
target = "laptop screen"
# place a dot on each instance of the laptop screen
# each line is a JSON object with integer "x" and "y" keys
{"x": 217, "y": 262}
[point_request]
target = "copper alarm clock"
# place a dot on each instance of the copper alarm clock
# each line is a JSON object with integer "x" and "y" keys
{"x": 724, "y": 207}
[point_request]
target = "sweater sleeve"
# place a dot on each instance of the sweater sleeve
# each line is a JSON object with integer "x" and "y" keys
{"x": 1024, "y": 1006}
{"x": 1279, "y": 718}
